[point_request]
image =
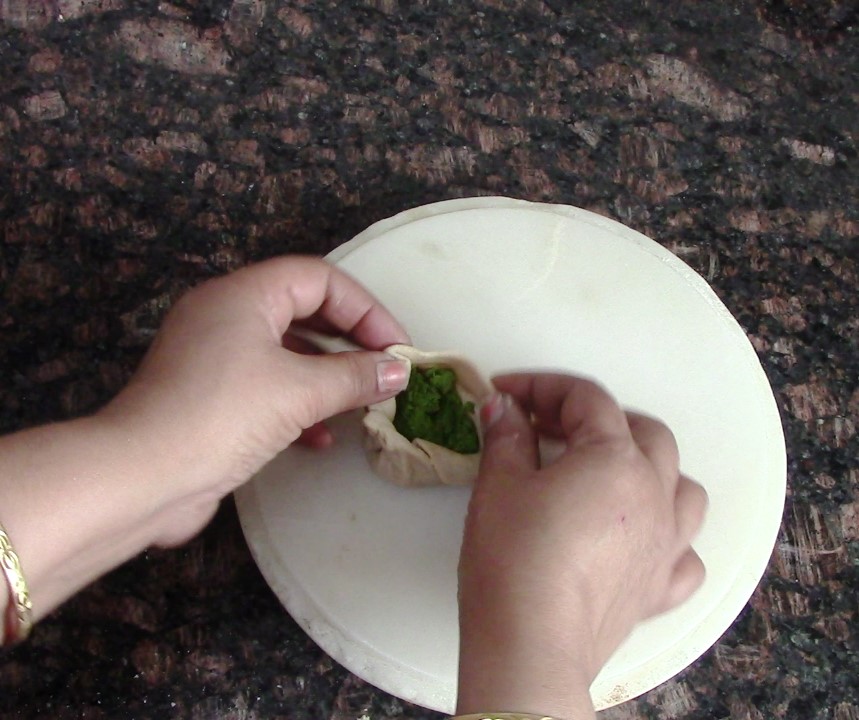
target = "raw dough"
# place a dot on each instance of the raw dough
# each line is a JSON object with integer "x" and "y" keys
{"x": 421, "y": 462}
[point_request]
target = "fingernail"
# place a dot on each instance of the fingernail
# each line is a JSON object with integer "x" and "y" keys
{"x": 392, "y": 375}
{"x": 493, "y": 409}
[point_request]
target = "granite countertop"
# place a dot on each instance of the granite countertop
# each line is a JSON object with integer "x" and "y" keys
{"x": 146, "y": 145}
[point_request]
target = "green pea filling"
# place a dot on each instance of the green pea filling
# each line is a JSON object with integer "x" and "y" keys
{"x": 430, "y": 408}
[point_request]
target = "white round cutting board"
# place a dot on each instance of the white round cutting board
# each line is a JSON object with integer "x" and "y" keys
{"x": 369, "y": 569}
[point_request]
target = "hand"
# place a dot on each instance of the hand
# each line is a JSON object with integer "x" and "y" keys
{"x": 220, "y": 393}
{"x": 559, "y": 563}
{"x": 215, "y": 398}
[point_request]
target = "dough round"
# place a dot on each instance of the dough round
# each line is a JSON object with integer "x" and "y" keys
{"x": 420, "y": 462}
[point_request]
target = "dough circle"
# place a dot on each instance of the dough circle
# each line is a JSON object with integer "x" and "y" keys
{"x": 420, "y": 462}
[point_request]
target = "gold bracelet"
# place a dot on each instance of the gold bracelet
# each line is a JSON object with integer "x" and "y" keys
{"x": 19, "y": 616}
{"x": 501, "y": 716}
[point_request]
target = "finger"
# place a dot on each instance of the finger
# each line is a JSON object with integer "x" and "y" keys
{"x": 337, "y": 382}
{"x": 509, "y": 440}
{"x": 316, "y": 437}
{"x": 690, "y": 507}
{"x": 658, "y": 444}
{"x": 577, "y": 408}
{"x": 688, "y": 575}
{"x": 300, "y": 287}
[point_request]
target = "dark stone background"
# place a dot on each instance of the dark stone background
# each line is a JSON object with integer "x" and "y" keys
{"x": 145, "y": 146}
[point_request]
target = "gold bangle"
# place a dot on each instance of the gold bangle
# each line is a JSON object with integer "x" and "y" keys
{"x": 501, "y": 716}
{"x": 19, "y": 616}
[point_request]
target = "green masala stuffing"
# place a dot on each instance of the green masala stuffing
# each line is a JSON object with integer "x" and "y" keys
{"x": 430, "y": 408}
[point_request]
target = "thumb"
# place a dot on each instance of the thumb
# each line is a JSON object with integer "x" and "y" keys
{"x": 338, "y": 382}
{"x": 509, "y": 440}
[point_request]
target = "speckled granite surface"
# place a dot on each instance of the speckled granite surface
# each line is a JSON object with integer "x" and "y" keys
{"x": 147, "y": 145}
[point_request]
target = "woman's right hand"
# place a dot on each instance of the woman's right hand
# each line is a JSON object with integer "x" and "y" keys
{"x": 559, "y": 563}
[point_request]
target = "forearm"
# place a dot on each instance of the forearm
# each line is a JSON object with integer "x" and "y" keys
{"x": 77, "y": 499}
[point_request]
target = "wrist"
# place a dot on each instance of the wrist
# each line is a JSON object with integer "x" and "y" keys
{"x": 184, "y": 460}
{"x": 522, "y": 675}
{"x": 503, "y": 716}
{"x": 192, "y": 441}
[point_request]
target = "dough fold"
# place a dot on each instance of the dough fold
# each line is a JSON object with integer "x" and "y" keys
{"x": 420, "y": 462}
